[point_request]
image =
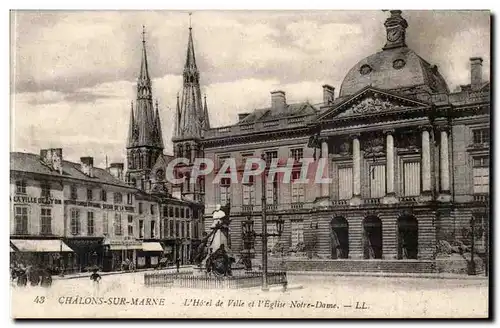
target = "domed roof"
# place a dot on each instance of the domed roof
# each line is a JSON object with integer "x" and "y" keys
{"x": 396, "y": 68}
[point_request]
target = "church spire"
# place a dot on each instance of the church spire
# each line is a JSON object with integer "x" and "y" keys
{"x": 206, "y": 118}
{"x": 144, "y": 75}
{"x": 131, "y": 127}
{"x": 191, "y": 107}
{"x": 177, "y": 121}
{"x": 159, "y": 133}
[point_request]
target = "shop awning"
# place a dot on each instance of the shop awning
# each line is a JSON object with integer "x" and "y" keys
{"x": 118, "y": 247}
{"x": 152, "y": 247}
{"x": 41, "y": 245}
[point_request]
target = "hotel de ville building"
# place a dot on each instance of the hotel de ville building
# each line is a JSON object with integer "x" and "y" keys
{"x": 408, "y": 158}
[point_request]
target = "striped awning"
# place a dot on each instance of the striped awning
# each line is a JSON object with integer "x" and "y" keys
{"x": 40, "y": 245}
{"x": 152, "y": 247}
{"x": 124, "y": 247}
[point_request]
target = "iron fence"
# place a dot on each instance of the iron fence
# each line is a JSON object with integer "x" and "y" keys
{"x": 188, "y": 280}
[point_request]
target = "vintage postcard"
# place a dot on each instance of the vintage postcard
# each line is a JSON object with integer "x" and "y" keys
{"x": 250, "y": 164}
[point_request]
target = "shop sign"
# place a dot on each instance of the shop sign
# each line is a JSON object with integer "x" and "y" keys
{"x": 35, "y": 200}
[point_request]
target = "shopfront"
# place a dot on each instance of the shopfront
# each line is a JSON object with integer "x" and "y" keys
{"x": 120, "y": 254}
{"x": 150, "y": 254}
{"x": 40, "y": 252}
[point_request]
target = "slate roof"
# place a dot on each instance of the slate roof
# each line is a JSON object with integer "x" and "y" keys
{"x": 264, "y": 114}
{"x": 27, "y": 162}
{"x": 415, "y": 72}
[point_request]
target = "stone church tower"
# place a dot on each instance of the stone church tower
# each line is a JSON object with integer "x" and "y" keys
{"x": 191, "y": 122}
{"x": 145, "y": 141}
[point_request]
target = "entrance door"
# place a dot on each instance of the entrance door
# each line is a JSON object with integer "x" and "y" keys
{"x": 372, "y": 237}
{"x": 407, "y": 237}
{"x": 339, "y": 238}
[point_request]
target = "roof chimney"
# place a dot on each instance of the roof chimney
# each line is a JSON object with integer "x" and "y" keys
{"x": 116, "y": 170}
{"x": 476, "y": 73}
{"x": 52, "y": 157}
{"x": 328, "y": 94}
{"x": 86, "y": 166}
{"x": 278, "y": 100}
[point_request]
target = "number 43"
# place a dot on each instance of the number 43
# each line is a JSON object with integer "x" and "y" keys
{"x": 39, "y": 299}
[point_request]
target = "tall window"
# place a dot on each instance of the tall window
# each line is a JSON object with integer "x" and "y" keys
{"x": 176, "y": 212}
{"x": 481, "y": 136}
{"x": 130, "y": 228}
{"x": 117, "y": 198}
{"x": 104, "y": 195}
{"x": 73, "y": 192}
{"x": 269, "y": 156}
{"x": 377, "y": 181}
{"x": 21, "y": 220}
{"x": 90, "y": 223}
{"x": 298, "y": 189}
{"x": 165, "y": 211}
{"x": 481, "y": 174}
{"x": 141, "y": 228}
{"x": 411, "y": 182}
{"x": 140, "y": 208}
{"x": 297, "y": 232}
{"x": 171, "y": 228}
{"x": 118, "y": 224}
{"x": 177, "y": 228}
{"x": 249, "y": 192}
{"x": 46, "y": 221}
{"x": 75, "y": 221}
{"x": 171, "y": 212}
{"x": 20, "y": 186}
{"x": 271, "y": 241}
{"x": 196, "y": 230}
{"x": 153, "y": 228}
{"x": 345, "y": 182}
{"x": 165, "y": 228}
{"x": 89, "y": 194}
{"x": 182, "y": 213}
{"x": 105, "y": 223}
{"x": 297, "y": 154}
{"x": 129, "y": 199}
{"x": 272, "y": 190}
{"x": 45, "y": 186}
{"x": 225, "y": 191}
{"x": 152, "y": 209}
{"x": 183, "y": 225}
{"x": 188, "y": 229}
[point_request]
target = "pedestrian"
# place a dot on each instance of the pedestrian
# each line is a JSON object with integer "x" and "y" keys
{"x": 46, "y": 280}
{"x": 178, "y": 264}
{"x": 96, "y": 278}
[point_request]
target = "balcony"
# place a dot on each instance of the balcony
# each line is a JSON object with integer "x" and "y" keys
{"x": 482, "y": 198}
{"x": 297, "y": 206}
{"x": 340, "y": 202}
{"x": 246, "y": 208}
{"x": 371, "y": 201}
{"x": 408, "y": 199}
{"x": 271, "y": 207}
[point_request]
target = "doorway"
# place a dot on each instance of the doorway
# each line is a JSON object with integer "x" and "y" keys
{"x": 372, "y": 237}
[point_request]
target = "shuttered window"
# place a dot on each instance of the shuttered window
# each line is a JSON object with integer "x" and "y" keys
{"x": 345, "y": 182}
{"x": 298, "y": 192}
{"x": 411, "y": 178}
{"x": 377, "y": 181}
{"x": 272, "y": 190}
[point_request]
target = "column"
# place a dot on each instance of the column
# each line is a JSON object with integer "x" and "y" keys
{"x": 444, "y": 162}
{"x": 356, "y": 166}
{"x": 426, "y": 160}
{"x": 325, "y": 187}
{"x": 390, "y": 162}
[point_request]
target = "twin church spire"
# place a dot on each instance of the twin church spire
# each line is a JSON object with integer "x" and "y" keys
{"x": 145, "y": 124}
{"x": 191, "y": 117}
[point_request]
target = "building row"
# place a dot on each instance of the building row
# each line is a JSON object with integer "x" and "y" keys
{"x": 76, "y": 215}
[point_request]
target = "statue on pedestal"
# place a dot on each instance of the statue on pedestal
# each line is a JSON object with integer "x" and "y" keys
{"x": 218, "y": 261}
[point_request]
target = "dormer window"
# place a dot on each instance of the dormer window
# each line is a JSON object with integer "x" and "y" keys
{"x": 365, "y": 69}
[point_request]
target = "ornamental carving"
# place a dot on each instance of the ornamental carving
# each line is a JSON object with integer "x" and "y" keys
{"x": 371, "y": 105}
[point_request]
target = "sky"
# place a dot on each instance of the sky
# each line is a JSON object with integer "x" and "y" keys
{"x": 73, "y": 73}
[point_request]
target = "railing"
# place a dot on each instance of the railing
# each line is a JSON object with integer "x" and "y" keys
{"x": 481, "y": 198}
{"x": 340, "y": 202}
{"x": 245, "y": 127}
{"x": 187, "y": 280}
{"x": 246, "y": 208}
{"x": 371, "y": 201}
{"x": 272, "y": 207}
{"x": 295, "y": 120}
{"x": 407, "y": 199}
{"x": 297, "y": 206}
{"x": 268, "y": 124}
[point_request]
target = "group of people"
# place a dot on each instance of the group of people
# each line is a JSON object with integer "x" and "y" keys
{"x": 21, "y": 275}
{"x": 127, "y": 265}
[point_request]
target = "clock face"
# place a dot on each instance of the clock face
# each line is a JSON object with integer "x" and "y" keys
{"x": 393, "y": 35}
